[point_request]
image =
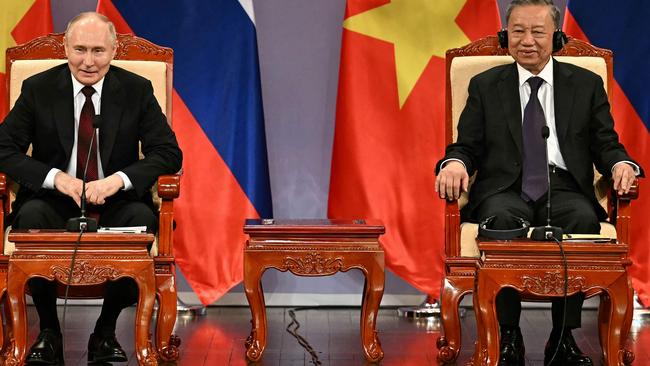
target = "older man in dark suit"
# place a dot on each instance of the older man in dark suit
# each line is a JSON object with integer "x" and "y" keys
{"x": 54, "y": 113}
{"x": 499, "y": 138}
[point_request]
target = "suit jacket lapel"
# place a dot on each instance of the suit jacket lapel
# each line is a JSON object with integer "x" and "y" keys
{"x": 111, "y": 111}
{"x": 563, "y": 94}
{"x": 509, "y": 94}
{"x": 63, "y": 110}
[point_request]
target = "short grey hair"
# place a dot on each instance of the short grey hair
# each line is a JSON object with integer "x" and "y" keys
{"x": 92, "y": 14}
{"x": 555, "y": 12}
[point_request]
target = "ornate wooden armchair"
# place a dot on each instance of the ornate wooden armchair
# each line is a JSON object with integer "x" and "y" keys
{"x": 461, "y": 249}
{"x": 156, "y": 64}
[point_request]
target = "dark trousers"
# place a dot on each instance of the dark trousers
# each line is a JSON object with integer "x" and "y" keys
{"x": 52, "y": 212}
{"x": 570, "y": 210}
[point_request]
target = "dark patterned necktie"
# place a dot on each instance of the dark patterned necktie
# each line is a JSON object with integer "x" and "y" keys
{"x": 84, "y": 136}
{"x": 533, "y": 180}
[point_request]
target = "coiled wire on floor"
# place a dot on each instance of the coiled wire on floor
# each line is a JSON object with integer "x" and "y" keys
{"x": 292, "y": 328}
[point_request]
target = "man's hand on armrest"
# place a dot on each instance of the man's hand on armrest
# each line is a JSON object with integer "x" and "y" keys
{"x": 452, "y": 180}
{"x": 68, "y": 185}
{"x": 97, "y": 191}
{"x": 623, "y": 175}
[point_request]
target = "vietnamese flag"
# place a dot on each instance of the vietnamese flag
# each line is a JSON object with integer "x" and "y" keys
{"x": 21, "y": 21}
{"x": 622, "y": 28}
{"x": 390, "y": 122}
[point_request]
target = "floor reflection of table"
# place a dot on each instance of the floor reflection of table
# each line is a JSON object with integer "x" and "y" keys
{"x": 314, "y": 248}
{"x": 536, "y": 270}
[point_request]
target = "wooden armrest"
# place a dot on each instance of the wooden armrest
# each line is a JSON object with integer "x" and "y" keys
{"x": 452, "y": 228}
{"x": 169, "y": 186}
{"x": 3, "y": 186}
{"x": 620, "y": 212}
{"x": 631, "y": 195}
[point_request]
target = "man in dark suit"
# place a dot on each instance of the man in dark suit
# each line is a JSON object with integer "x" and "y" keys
{"x": 53, "y": 113}
{"x": 495, "y": 130}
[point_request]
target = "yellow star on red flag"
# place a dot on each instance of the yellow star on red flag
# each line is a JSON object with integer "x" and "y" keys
{"x": 418, "y": 29}
{"x": 12, "y": 13}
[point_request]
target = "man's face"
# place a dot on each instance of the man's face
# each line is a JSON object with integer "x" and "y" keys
{"x": 530, "y": 36}
{"x": 89, "y": 49}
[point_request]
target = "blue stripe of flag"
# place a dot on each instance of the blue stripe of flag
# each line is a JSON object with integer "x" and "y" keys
{"x": 623, "y": 27}
{"x": 216, "y": 72}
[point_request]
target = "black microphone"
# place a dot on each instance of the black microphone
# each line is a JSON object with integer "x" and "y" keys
{"x": 547, "y": 232}
{"x": 83, "y": 223}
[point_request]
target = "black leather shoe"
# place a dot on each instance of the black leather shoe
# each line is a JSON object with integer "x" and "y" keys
{"x": 568, "y": 353}
{"x": 105, "y": 348}
{"x": 512, "y": 348}
{"x": 47, "y": 350}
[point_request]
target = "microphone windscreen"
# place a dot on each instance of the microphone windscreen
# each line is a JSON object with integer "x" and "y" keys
{"x": 97, "y": 121}
{"x": 545, "y": 132}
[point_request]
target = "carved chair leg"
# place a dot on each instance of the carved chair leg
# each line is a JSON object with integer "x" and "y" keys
{"x": 452, "y": 292}
{"x": 166, "y": 343}
{"x": 256, "y": 341}
{"x": 372, "y": 294}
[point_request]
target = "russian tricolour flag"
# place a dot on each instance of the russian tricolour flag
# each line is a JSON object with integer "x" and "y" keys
{"x": 218, "y": 119}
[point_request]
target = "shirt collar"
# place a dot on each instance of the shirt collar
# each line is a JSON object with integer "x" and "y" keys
{"x": 77, "y": 86}
{"x": 546, "y": 74}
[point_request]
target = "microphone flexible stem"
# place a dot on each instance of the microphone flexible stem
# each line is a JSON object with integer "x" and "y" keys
{"x": 545, "y": 135}
{"x": 83, "y": 182}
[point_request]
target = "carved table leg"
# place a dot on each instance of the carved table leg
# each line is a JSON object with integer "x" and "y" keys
{"x": 617, "y": 323}
{"x": 166, "y": 343}
{"x": 15, "y": 354}
{"x": 372, "y": 294}
{"x": 484, "y": 306}
{"x": 452, "y": 292}
{"x": 144, "y": 351}
{"x": 256, "y": 342}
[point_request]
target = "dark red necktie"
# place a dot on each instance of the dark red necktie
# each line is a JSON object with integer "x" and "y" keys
{"x": 533, "y": 180}
{"x": 84, "y": 136}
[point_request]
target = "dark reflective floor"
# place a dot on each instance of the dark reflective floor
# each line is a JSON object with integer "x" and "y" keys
{"x": 218, "y": 338}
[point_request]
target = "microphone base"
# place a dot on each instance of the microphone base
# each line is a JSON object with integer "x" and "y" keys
{"x": 546, "y": 233}
{"x": 76, "y": 224}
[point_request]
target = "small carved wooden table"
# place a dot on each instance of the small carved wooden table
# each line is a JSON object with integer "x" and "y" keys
{"x": 314, "y": 248}
{"x": 536, "y": 270}
{"x": 101, "y": 257}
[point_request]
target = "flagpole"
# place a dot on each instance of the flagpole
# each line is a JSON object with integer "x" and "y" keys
{"x": 190, "y": 311}
{"x": 429, "y": 308}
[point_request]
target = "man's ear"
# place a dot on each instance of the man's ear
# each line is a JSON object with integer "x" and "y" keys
{"x": 65, "y": 46}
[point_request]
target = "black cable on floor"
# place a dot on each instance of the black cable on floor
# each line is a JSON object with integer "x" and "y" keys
{"x": 301, "y": 340}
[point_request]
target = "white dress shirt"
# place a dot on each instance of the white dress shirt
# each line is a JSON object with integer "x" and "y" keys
{"x": 79, "y": 100}
{"x": 547, "y": 100}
